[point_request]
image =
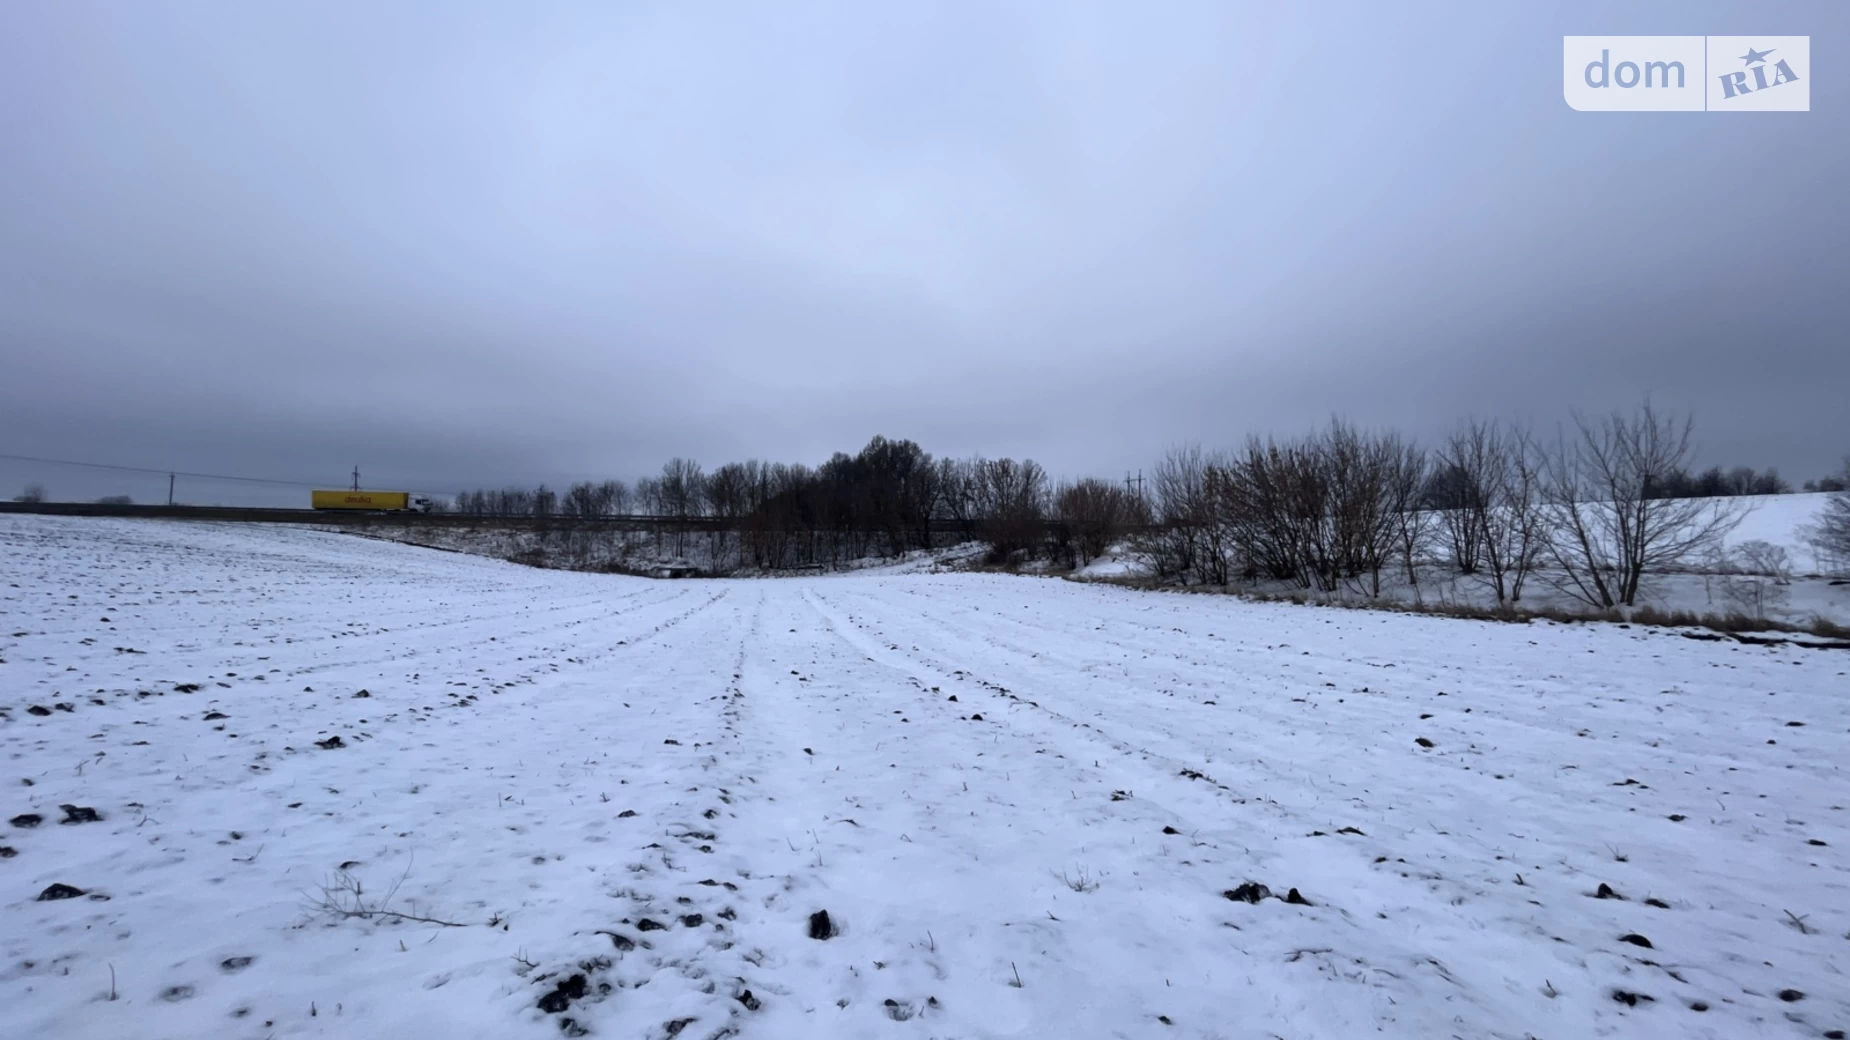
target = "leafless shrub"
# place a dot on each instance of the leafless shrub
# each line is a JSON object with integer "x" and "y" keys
{"x": 589, "y": 500}
{"x": 1765, "y": 558}
{"x": 1829, "y": 536}
{"x": 1011, "y": 501}
{"x": 1096, "y": 514}
{"x": 1411, "y": 524}
{"x": 344, "y": 896}
{"x": 1488, "y": 502}
{"x": 1607, "y": 527}
{"x": 1188, "y": 542}
{"x": 1080, "y": 880}
{"x": 1825, "y": 627}
{"x": 1755, "y": 576}
{"x": 1324, "y": 511}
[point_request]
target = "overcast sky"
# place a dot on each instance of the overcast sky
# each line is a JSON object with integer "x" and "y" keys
{"x": 465, "y": 244}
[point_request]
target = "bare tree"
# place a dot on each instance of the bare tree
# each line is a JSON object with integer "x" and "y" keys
{"x": 728, "y": 495}
{"x": 683, "y": 490}
{"x": 682, "y": 487}
{"x": 581, "y": 501}
{"x": 1755, "y": 576}
{"x": 1323, "y": 511}
{"x": 922, "y": 493}
{"x": 1412, "y": 523}
{"x": 890, "y": 486}
{"x": 1829, "y": 535}
{"x": 1011, "y": 506}
{"x": 613, "y": 498}
{"x": 1606, "y": 529}
{"x": 1188, "y": 538}
{"x": 648, "y": 497}
{"x": 728, "y": 490}
{"x": 1516, "y": 534}
{"x": 1361, "y": 469}
{"x": 1457, "y": 493}
{"x": 1264, "y": 497}
{"x": 956, "y": 487}
{"x": 1493, "y": 518}
{"x": 1095, "y": 514}
{"x": 31, "y": 494}
{"x": 1761, "y": 557}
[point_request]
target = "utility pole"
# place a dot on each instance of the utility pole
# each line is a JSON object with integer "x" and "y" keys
{"x": 356, "y": 477}
{"x": 170, "y": 489}
{"x": 1139, "y": 482}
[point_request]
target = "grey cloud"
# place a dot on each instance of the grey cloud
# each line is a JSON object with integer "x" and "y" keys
{"x": 469, "y": 244}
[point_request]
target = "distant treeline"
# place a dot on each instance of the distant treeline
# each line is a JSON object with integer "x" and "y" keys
{"x": 890, "y": 497}
{"x": 1596, "y": 507}
{"x": 1714, "y": 483}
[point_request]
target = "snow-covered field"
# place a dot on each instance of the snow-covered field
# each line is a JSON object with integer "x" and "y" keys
{"x": 1024, "y": 805}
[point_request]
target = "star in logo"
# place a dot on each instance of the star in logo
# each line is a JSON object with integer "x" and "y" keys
{"x": 1754, "y": 57}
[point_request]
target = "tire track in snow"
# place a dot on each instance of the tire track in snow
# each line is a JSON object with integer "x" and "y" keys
{"x": 1233, "y": 844}
{"x": 946, "y": 675}
{"x": 1005, "y": 801}
{"x": 677, "y": 953}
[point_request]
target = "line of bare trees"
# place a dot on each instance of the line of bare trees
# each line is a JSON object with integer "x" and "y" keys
{"x": 1336, "y": 509}
{"x": 1341, "y": 508}
{"x": 893, "y": 497}
{"x": 889, "y": 498}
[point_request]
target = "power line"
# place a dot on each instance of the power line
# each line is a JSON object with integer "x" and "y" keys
{"x": 183, "y": 473}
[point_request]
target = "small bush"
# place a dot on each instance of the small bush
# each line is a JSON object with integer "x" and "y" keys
{"x": 1827, "y": 629}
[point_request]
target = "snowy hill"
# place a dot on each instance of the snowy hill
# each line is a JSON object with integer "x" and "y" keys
{"x": 1782, "y": 520}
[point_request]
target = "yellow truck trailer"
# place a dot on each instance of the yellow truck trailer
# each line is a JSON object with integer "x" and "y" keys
{"x": 375, "y": 501}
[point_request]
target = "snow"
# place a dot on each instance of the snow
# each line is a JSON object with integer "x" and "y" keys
{"x": 1783, "y": 520}
{"x": 548, "y": 758}
{"x": 1796, "y": 603}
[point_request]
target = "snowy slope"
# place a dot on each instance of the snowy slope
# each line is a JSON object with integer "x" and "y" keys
{"x": 1783, "y": 520}
{"x": 1780, "y": 519}
{"x": 1021, "y": 802}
